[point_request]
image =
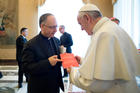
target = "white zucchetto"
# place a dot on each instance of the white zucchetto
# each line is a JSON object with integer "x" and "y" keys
{"x": 89, "y": 7}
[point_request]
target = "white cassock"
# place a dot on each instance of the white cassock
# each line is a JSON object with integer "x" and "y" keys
{"x": 110, "y": 64}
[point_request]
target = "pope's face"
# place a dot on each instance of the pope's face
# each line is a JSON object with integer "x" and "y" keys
{"x": 50, "y": 27}
{"x": 84, "y": 25}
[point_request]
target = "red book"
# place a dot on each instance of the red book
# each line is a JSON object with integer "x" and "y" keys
{"x": 68, "y": 60}
{"x": 139, "y": 51}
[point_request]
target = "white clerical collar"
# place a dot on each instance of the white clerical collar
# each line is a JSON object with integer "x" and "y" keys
{"x": 23, "y": 36}
{"x": 49, "y": 38}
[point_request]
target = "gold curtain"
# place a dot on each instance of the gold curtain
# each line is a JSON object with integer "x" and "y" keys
{"x": 39, "y": 2}
{"x": 114, "y": 1}
{"x": 85, "y": 1}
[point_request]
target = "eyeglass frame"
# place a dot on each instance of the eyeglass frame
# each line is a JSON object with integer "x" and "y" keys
{"x": 51, "y": 27}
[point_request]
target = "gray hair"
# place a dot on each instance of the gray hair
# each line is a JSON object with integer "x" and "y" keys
{"x": 62, "y": 26}
{"x": 43, "y": 18}
{"x": 93, "y": 14}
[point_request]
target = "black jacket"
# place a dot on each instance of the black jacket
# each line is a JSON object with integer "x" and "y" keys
{"x": 20, "y": 41}
{"x": 43, "y": 78}
{"x": 66, "y": 41}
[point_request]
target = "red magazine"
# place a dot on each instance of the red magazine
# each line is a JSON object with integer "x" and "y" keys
{"x": 68, "y": 60}
{"x": 138, "y": 51}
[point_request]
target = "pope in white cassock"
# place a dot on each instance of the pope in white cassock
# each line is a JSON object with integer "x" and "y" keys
{"x": 111, "y": 62}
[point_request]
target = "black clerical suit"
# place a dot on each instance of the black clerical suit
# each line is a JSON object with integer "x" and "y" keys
{"x": 43, "y": 77}
{"x": 20, "y": 41}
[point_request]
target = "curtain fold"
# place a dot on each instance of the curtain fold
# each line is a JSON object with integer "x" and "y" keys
{"x": 39, "y": 2}
{"x": 127, "y": 11}
{"x": 86, "y": 1}
{"x": 114, "y": 1}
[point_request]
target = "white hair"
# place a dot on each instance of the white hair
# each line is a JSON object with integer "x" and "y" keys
{"x": 93, "y": 14}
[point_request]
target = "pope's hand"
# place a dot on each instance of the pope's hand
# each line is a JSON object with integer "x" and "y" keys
{"x": 68, "y": 69}
{"x": 78, "y": 59}
{"x": 53, "y": 60}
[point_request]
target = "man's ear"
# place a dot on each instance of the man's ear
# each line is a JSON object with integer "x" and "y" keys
{"x": 41, "y": 26}
{"x": 86, "y": 18}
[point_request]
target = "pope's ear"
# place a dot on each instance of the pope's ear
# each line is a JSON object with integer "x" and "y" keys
{"x": 86, "y": 17}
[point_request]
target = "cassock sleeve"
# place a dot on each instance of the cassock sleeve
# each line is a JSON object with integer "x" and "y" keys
{"x": 90, "y": 85}
{"x": 30, "y": 65}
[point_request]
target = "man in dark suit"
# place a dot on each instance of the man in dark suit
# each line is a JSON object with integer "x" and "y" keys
{"x": 1, "y": 74}
{"x": 66, "y": 39}
{"x": 41, "y": 59}
{"x": 67, "y": 42}
{"x": 20, "y": 41}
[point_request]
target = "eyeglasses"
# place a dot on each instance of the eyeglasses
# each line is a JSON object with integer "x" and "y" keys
{"x": 51, "y": 27}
